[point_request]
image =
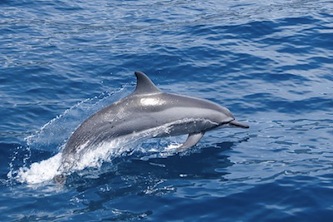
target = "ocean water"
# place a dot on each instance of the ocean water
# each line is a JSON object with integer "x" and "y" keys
{"x": 270, "y": 62}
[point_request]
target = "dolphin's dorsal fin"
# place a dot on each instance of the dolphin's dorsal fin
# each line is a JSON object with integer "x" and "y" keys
{"x": 144, "y": 85}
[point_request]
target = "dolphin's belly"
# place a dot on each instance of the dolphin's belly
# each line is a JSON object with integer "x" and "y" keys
{"x": 185, "y": 126}
{"x": 85, "y": 137}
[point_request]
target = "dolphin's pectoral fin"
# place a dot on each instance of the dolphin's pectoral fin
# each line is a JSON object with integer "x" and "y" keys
{"x": 192, "y": 139}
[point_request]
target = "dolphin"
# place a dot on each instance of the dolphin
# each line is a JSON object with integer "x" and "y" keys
{"x": 146, "y": 108}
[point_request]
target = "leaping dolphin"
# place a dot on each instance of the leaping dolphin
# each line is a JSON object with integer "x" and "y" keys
{"x": 144, "y": 109}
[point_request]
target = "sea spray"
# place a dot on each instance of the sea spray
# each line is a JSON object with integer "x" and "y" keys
{"x": 45, "y": 170}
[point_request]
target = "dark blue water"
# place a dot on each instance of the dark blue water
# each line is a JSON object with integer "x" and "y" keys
{"x": 269, "y": 62}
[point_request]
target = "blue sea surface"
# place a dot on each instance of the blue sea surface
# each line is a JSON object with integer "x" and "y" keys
{"x": 270, "y": 62}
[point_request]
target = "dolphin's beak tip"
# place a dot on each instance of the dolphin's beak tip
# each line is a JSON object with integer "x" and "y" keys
{"x": 238, "y": 124}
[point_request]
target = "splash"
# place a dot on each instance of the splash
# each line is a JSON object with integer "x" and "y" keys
{"x": 40, "y": 172}
{"x": 51, "y": 138}
{"x": 56, "y": 132}
{"x": 94, "y": 157}
{"x": 46, "y": 170}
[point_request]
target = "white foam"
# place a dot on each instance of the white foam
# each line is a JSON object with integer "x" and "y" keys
{"x": 173, "y": 146}
{"x": 46, "y": 170}
{"x": 53, "y": 135}
{"x": 40, "y": 172}
{"x": 93, "y": 157}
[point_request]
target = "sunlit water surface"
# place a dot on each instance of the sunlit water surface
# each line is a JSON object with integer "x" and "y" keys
{"x": 269, "y": 62}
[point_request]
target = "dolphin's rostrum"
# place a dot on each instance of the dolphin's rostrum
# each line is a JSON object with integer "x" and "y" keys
{"x": 144, "y": 109}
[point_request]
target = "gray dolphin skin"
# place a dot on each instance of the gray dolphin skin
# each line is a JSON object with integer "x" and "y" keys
{"x": 149, "y": 108}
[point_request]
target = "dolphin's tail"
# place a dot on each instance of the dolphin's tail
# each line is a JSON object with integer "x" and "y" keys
{"x": 238, "y": 124}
